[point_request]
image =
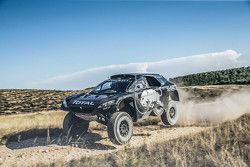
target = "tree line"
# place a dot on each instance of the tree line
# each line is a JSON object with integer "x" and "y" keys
{"x": 229, "y": 76}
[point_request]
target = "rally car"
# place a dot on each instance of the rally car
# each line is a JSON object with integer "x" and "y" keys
{"x": 118, "y": 102}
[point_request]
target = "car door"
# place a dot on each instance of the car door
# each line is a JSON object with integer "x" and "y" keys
{"x": 157, "y": 95}
{"x": 141, "y": 93}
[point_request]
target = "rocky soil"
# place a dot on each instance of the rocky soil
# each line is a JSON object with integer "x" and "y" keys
{"x": 14, "y": 101}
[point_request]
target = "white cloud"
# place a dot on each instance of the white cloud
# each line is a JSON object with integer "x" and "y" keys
{"x": 168, "y": 68}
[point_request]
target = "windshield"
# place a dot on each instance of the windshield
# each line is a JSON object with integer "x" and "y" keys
{"x": 112, "y": 86}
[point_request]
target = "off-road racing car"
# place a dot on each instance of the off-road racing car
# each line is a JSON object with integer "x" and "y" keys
{"x": 118, "y": 102}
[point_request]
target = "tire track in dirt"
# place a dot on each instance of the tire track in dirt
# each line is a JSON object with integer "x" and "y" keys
{"x": 42, "y": 149}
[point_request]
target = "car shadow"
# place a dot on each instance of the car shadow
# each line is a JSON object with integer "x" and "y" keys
{"x": 142, "y": 134}
{"x": 53, "y": 136}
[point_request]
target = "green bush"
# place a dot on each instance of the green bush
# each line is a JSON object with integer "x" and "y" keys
{"x": 229, "y": 76}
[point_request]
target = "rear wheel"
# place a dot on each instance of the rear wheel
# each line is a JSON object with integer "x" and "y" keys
{"x": 74, "y": 126}
{"x": 120, "y": 128}
{"x": 170, "y": 115}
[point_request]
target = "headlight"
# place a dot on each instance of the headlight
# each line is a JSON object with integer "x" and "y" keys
{"x": 65, "y": 103}
{"x": 107, "y": 104}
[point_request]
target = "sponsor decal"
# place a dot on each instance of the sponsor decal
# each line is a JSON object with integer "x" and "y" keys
{"x": 150, "y": 97}
{"x": 91, "y": 103}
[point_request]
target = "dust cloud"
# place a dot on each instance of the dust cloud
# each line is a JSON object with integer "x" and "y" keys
{"x": 228, "y": 106}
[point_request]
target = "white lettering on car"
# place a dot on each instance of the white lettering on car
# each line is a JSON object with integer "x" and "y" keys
{"x": 91, "y": 103}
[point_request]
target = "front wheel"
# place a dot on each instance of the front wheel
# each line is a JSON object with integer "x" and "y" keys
{"x": 74, "y": 126}
{"x": 120, "y": 128}
{"x": 170, "y": 115}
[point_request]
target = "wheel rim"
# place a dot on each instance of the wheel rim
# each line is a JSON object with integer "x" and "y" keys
{"x": 124, "y": 128}
{"x": 172, "y": 112}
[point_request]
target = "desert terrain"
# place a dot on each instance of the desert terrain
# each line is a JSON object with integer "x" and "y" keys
{"x": 213, "y": 130}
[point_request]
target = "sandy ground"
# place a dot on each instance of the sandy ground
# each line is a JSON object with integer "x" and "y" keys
{"x": 33, "y": 146}
{"x": 32, "y": 150}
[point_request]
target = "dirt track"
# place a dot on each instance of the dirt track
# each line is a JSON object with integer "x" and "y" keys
{"x": 34, "y": 147}
{"x": 33, "y": 150}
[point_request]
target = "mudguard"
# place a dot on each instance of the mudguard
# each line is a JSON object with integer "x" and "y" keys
{"x": 174, "y": 95}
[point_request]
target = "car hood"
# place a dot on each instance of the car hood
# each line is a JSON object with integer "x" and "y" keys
{"x": 90, "y": 100}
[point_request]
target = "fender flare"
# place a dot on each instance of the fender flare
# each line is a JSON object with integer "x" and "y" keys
{"x": 174, "y": 95}
{"x": 128, "y": 98}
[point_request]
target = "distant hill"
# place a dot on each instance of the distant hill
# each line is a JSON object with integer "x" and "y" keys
{"x": 13, "y": 101}
{"x": 222, "y": 77}
{"x": 30, "y": 100}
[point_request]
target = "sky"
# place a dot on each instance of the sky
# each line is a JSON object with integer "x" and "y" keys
{"x": 72, "y": 44}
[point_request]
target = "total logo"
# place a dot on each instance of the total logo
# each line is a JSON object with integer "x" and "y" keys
{"x": 91, "y": 103}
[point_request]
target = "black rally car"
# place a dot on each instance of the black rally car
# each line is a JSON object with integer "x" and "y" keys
{"x": 120, "y": 101}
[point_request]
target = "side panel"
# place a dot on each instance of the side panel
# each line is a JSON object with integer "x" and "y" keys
{"x": 165, "y": 97}
{"x": 152, "y": 100}
{"x": 127, "y": 103}
{"x": 174, "y": 95}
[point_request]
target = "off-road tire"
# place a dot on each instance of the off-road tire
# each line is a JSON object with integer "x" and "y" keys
{"x": 170, "y": 115}
{"x": 120, "y": 128}
{"x": 74, "y": 126}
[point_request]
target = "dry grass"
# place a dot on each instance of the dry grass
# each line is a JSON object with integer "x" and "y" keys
{"x": 225, "y": 145}
{"x": 48, "y": 119}
{"x": 20, "y": 122}
{"x": 228, "y": 144}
